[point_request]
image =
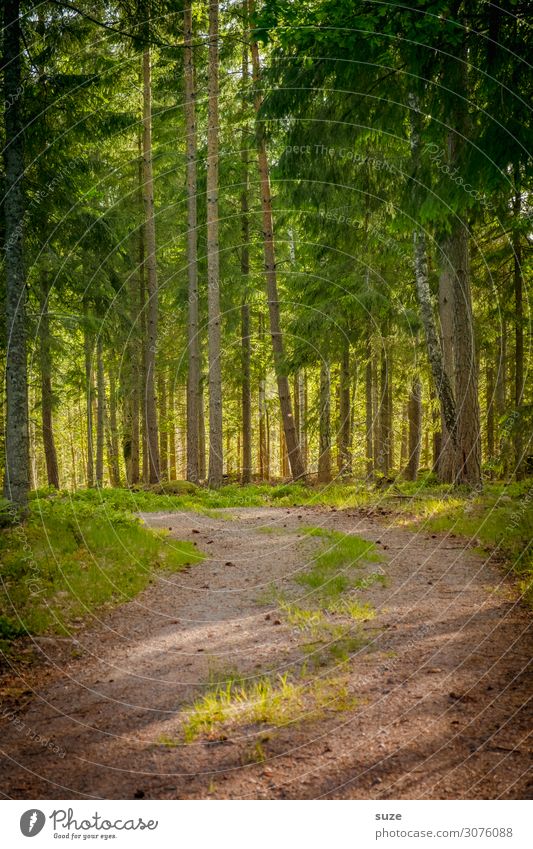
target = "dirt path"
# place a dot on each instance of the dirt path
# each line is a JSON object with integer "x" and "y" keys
{"x": 441, "y": 678}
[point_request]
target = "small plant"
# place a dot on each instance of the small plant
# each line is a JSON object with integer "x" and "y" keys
{"x": 273, "y": 702}
{"x": 330, "y": 575}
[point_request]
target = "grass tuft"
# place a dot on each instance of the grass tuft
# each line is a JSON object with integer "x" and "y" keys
{"x": 74, "y": 556}
{"x": 272, "y": 702}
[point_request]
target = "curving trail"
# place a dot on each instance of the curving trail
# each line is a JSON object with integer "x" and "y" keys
{"x": 441, "y": 679}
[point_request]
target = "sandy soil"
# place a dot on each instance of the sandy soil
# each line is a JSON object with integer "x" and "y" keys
{"x": 442, "y": 682}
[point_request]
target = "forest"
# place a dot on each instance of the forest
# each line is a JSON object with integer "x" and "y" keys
{"x": 261, "y": 254}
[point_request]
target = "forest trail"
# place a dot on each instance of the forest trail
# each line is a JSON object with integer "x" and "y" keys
{"x": 440, "y": 678}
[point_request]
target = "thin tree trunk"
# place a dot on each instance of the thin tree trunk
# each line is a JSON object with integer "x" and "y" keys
{"x": 52, "y": 469}
{"x": 302, "y": 404}
{"x": 246, "y": 345}
{"x": 468, "y": 456}
{"x": 100, "y": 416}
{"x": 447, "y": 455}
{"x": 163, "y": 425}
{"x": 193, "y": 329}
{"x": 216, "y": 457}
{"x": 17, "y": 470}
{"x": 384, "y": 433}
{"x": 293, "y": 447}
{"x": 500, "y": 393}
{"x": 151, "y": 276}
{"x": 263, "y": 452}
{"x": 390, "y": 407}
{"x": 87, "y": 344}
{"x": 434, "y": 350}
{"x": 113, "y": 452}
{"x": 73, "y": 458}
{"x": 415, "y": 429}
{"x": 404, "y": 449}
{"x": 519, "y": 332}
{"x": 172, "y": 428}
{"x": 201, "y": 433}
{"x": 345, "y": 412}
{"x": 369, "y": 415}
{"x": 490, "y": 403}
{"x": 324, "y": 457}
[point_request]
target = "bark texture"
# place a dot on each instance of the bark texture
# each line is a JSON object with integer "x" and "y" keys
{"x": 415, "y": 429}
{"x": 345, "y": 413}
{"x": 324, "y": 456}
{"x": 17, "y": 469}
{"x": 434, "y": 350}
{"x": 216, "y": 457}
{"x": 194, "y": 369}
{"x": 152, "y": 308}
{"x": 291, "y": 437}
{"x": 45, "y": 352}
{"x": 100, "y": 412}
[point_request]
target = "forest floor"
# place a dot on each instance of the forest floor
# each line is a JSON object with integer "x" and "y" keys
{"x": 271, "y": 671}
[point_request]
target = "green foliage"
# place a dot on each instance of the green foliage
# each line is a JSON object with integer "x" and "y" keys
{"x": 330, "y": 575}
{"x": 267, "y": 701}
{"x": 74, "y": 556}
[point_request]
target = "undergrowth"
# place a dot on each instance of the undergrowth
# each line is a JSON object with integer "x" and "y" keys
{"x": 271, "y": 701}
{"x": 71, "y": 557}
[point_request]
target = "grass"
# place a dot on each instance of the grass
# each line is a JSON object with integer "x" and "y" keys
{"x": 498, "y": 519}
{"x": 329, "y": 617}
{"x": 273, "y": 702}
{"x": 330, "y": 575}
{"x": 74, "y": 556}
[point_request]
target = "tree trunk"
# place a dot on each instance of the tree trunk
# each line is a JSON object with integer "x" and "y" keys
{"x": 468, "y": 443}
{"x": 193, "y": 329}
{"x": 52, "y": 469}
{"x": 151, "y": 276}
{"x": 302, "y": 404}
{"x": 415, "y": 429}
{"x": 113, "y": 462}
{"x": 293, "y": 447}
{"x": 500, "y": 393}
{"x": 446, "y": 459}
{"x": 163, "y": 425}
{"x": 264, "y": 471}
{"x": 201, "y": 433}
{"x": 468, "y": 456}
{"x": 434, "y": 350}
{"x": 246, "y": 346}
{"x": 369, "y": 414}
{"x": 131, "y": 371}
{"x": 519, "y": 332}
{"x": 172, "y": 428}
{"x": 100, "y": 415}
{"x": 384, "y": 432}
{"x": 324, "y": 457}
{"x": 490, "y": 403}
{"x": 390, "y": 407}
{"x": 216, "y": 457}
{"x": 17, "y": 470}
{"x": 345, "y": 412}
{"x": 87, "y": 345}
{"x": 404, "y": 448}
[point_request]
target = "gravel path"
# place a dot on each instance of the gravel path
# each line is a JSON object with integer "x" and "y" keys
{"x": 441, "y": 681}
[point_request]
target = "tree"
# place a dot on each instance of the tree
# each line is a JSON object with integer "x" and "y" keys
{"x": 194, "y": 370}
{"x": 293, "y": 447}
{"x": 216, "y": 460}
{"x": 150, "y": 403}
{"x": 324, "y": 456}
{"x": 50, "y": 453}
{"x": 17, "y": 475}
